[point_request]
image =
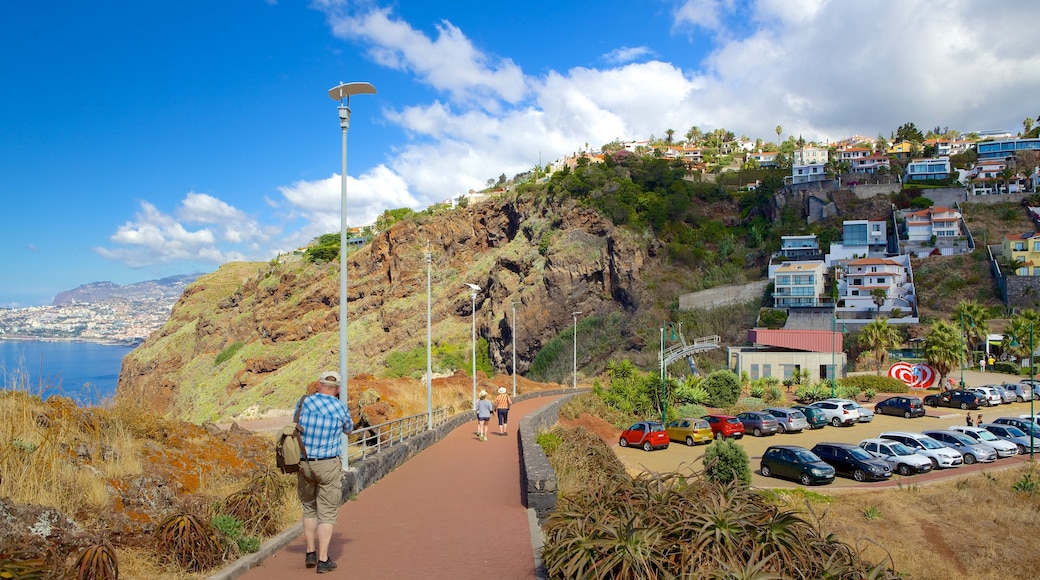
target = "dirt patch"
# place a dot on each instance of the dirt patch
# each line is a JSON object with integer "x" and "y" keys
{"x": 594, "y": 425}
{"x": 934, "y": 539}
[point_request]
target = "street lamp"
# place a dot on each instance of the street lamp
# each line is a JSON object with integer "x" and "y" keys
{"x": 575, "y": 316}
{"x": 429, "y": 347}
{"x": 834, "y": 351}
{"x": 514, "y": 349}
{"x": 342, "y": 93}
{"x": 1032, "y": 413}
{"x": 473, "y": 321}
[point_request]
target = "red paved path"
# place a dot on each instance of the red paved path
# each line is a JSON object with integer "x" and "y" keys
{"x": 452, "y": 512}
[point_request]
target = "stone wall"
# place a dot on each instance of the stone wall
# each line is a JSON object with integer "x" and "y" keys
{"x": 537, "y": 478}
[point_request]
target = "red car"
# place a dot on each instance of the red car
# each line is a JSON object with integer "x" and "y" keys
{"x": 649, "y": 435}
{"x": 723, "y": 426}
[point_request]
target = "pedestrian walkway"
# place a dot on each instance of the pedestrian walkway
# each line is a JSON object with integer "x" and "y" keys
{"x": 452, "y": 512}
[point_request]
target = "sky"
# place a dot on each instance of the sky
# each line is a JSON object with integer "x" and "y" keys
{"x": 143, "y": 139}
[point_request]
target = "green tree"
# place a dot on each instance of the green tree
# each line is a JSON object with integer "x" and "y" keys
{"x": 778, "y": 130}
{"x": 944, "y": 348}
{"x": 877, "y": 338}
{"x": 909, "y": 132}
{"x": 973, "y": 319}
{"x": 726, "y": 462}
{"x": 1027, "y": 124}
{"x": 879, "y": 296}
{"x": 723, "y": 387}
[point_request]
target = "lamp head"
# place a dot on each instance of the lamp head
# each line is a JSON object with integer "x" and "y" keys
{"x": 473, "y": 287}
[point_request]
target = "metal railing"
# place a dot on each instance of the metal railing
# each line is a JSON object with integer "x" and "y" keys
{"x": 367, "y": 441}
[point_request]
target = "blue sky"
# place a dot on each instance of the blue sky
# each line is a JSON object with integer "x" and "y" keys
{"x": 146, "y": 139}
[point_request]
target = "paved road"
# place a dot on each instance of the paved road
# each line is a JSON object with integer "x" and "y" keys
{"x": 679, "y": 457}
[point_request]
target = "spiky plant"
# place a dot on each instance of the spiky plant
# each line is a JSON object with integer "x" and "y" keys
{"x": 97, "y": 562}
{"x": 19, "y": 564}
{"x": 191, "y": 543}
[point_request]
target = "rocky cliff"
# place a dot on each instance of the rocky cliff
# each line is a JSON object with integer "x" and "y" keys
{"x": 246, "y": 339}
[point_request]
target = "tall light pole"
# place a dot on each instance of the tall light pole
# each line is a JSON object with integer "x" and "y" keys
{"x": 575, "y": 349}
{"x": 514, "y": 350}
{"x": 1032, "y": 413}
{"x": 342, "y": 93}
{"x": 429, "y": 347}
{"x": 834, "y": 351}
{"x": 473, "y": 320}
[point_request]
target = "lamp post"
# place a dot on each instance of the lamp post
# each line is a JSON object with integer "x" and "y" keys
{"x": 514, "y": 349}
{"x": 429, "y": 347}
{"x": 664, "y": 394}
{"x": 575, "y": 347}
{"x": 1032, "y": 413}
{"x": 342, "y": 93}
{"x": 473, "y": 322}
{"x": 834, "y": 351}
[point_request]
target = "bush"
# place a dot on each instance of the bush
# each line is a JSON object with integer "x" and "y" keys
{"x": 757, "y": 390}
{"x": 775, "y": 394}
{"x": 748, "y": 404}
{"x": 228, "y": 352}
{"x": 691, "y": 411}
{"x": 725, "y": 462}
{"x": 688, "y": 393}
{"x": 809, "y": 393}
{"x": 723, "y": 388}
{"x": 882, "y": 384}
{"x": 1006, "y": 367}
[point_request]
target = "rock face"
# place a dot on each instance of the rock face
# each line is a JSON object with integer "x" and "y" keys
{"x": 249, "y": 338}
{"x": 101, "y": 291}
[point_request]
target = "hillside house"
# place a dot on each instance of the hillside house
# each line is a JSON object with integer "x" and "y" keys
{"x": 809, "y": 164}
{"x": 799, "y": 284}
{"x": 765, "y": 159}
{"x": 860, "y": 239}
{"x": 861, "y": 277}
{"x": 870, "y": 164}
{"x": 798, "y": 247}
{"x": 901, "y": 150}
{"x": 1005, "y": 148}
{"x": 941, "y": 222}
{"x": 1024, "y": 251}
{"x": 923, "y": 169}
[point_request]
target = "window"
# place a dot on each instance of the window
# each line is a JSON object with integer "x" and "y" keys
{"x": 767, "y": 370}
{"x": 754, "y": 372}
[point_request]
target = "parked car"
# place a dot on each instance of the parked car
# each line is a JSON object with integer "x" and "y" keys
{"x": 798, "y": 463}
{"x": 939, "y": 454}
{"x": 1035, "y": 419}
{"x": 852, "y": 461}
{"x": 955, "y": 398}
{"x": 1022, "y": 392}
{"x": 789, "y": 420}
{"x": 758, "y": 423}
{"x": 1033, "y": 385}
{"x": 725, "y": 426}
{"x": 689, "y": 430}
{"x": 816, "y": 418}
{"x": 1006, "y": 396}
{"x": 972, "y": 451}
{"x": 1023, "y": 425}
{"x": 900, "y": 458}
{"x": 865, "y": 414}
{"x": 989, "y": 395}
{"x": 900, "y": 407}
{"x": 838, "y": 413}
{"x": 1014, "y": 435}
{"x": 649, "y": 435}
{"x": 984, "y": 437}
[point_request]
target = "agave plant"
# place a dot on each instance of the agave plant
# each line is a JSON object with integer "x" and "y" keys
{"x": 19, "y": 564}
{"x": 97, "y": 562}
{"x": 188, "y": 541}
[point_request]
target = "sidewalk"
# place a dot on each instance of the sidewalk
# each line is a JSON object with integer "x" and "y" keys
{"x": 452, "y": 512}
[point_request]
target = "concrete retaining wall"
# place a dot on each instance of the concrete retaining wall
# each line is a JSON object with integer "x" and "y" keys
{"x": 537, "y": 478}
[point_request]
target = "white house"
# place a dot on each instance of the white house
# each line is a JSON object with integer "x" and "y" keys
{"x": 863, "y": 276}
{"x": 808, "y": 164}
{"x": 941, "y": 222}
{"x": 799, "y": 284}
{"x": 933, "y": 168}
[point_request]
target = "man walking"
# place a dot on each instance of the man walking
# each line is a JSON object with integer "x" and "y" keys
{"x": 324, "y": 419}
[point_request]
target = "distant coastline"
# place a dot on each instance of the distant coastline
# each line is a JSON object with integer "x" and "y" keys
{"x": 106, "y": 342}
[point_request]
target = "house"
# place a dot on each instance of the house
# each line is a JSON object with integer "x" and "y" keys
{"x": 923, "y": 169}
{"x": 943, "y": 147}
{"x": 782, "y": 353}
{"x": 941, "y": 222}
{"x": 1005, "y": 148}
{"x": 1024, "y": 251}
{"x": 870, "y": 164}
{"x": 764, "y": 158}
{"x": 851, "y": 154}
{"x": 901, "y": 150}
{"x": 796, "y": 247}
{"x": 860, "y": 239}
{"x": 799, "y": 284}
{"x": 864, "y": 276}
{"x": 808, "y": 164}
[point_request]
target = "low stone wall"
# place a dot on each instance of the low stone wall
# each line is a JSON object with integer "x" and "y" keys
{"x": 537, "y": 478}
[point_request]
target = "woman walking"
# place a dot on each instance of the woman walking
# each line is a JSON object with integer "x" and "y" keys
{"x": 502, "y": 404}
{"x": 483, "y": 409}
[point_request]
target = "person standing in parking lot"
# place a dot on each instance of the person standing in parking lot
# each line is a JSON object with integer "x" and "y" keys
{"x": 978, "y": 420}
{"x": 967, "y": 419}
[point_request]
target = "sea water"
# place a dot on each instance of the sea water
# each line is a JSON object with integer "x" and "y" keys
{"x": 85, "y": 372}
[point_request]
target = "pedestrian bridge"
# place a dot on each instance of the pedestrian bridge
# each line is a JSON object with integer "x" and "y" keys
{"x": 687, "y": 350}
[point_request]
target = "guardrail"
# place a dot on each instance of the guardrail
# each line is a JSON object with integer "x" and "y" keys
{"x": 368, "y": 441}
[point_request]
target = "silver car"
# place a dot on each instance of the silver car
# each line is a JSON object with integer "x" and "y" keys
{"x": 1014, "y": 435}
{"x": 1006, "y": 396}
{"x": 789, "y": 420}
{"x": 902, "y": 459}
{"x": 988, "y": 394}
{"x": 969, "y": 448}
{"x": 1022, "y": 391}
{"x": 939, "y": 454}
{"x": 984, "y": 437}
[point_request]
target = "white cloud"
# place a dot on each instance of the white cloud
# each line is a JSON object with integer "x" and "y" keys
{"x": 627, "y": 54}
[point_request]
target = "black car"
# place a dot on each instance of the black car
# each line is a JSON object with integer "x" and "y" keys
{"x": 852, "y": 461}
{"x": 900, "y": 407}
{"x": 796, "y": 463}
{"x": 956, "y": 398}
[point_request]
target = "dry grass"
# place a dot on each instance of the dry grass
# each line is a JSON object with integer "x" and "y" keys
{"x": 973, "y": 527}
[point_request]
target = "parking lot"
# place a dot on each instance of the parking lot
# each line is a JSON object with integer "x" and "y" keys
{"x": 679, "y": 457}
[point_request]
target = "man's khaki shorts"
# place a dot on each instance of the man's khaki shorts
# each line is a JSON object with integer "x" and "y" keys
{"x": 319, "y": 486}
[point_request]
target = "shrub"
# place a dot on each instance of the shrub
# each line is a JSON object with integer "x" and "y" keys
{"x": 692, "y": 411}
{"x": 809, "y": 393}
{"x": 748, "y": 404}
{"x": 726, "y": 462}
{"x": 688, "y": 393}
{"x": 757, "y": 390}
{"x": 1004, "y": 366}
{"x": 97, "y": 562}
{"x": 882, "y": 384}
{"x": 723, "y": 388}
{"x": 188, "y": 541}
{"x": 548, "y": 441}
{"x": 775, "y": 394}
{"x": 228, "y": 352}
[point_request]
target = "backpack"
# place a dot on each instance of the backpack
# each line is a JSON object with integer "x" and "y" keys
{"x": 288, "y": 447}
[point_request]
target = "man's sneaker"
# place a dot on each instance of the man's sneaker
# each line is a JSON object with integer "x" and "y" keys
{"x": 311, "y": 559}
{"x": 326, "y": 566}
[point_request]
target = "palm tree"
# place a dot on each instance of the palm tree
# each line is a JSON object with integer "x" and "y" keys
{"x": 668, "y": 136}
{"x": 879, "y": 296}
{"x": 1028, "y": 124}
{"x": 974, "y": 323}
{"x": 1006, "y": 175}
{"x": 779, "y": 130}
{"x": 944, "y": 348}
{"x": 877, "y": 337}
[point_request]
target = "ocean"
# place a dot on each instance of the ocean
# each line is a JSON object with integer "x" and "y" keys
{"x": 85, "y": 372}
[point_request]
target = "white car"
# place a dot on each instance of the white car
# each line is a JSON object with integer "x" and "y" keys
{"x": 988, "y": 394}
{"x": 838, "y": 414}
{"x": 939, "y": 454}
{"x": 902, "y": 459}
{"x": 984, "y": 437}
{"x": 865, "y": 414}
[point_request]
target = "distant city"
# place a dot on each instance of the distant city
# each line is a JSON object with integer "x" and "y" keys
{"x": 118, "y": 320}
{"x": 100, "y": 312}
